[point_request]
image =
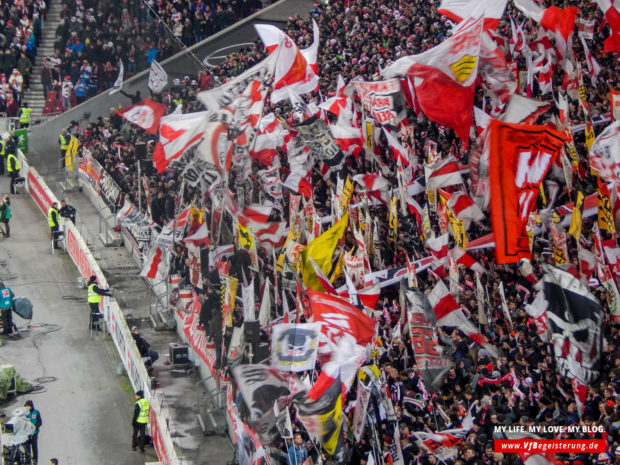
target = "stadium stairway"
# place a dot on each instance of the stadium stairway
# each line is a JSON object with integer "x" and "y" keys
{"x": 34, "y": 96}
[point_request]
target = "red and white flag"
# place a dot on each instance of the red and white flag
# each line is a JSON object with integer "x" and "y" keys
{"x": 371, "y": 182}
{"x": 444, "y": 77}
{"x": 593, "y": 65}
{"x": 545, "y": 78}
{"x": 586, "y": 263}
{"x": 464, "y": 207}
{"x": 270, "y": 136}
{"x": 444, "y": 173}
{"x": 292, "y": 67}
{"x": 448, "y": 313}
{"x": 339, "y": 317}
{"x": 517, "y": 39}
{"x": 301, "y": 163}
{"x": 201, "y": 236}
{"x": 553, "y": 19}
{"x": 463, "y": 258}
{"x": 458, "y": 10}
{"x": 177, "y": 133}
{"x": 611, "y": 10}
{"x": 524, "y": 110}
{"x": 155, "y": 266}
{"x": 397, "y": 149}
{"x": 439, "y": 247}
{"x": 482, "y": 120}
{"x": 337, "y": 102}
{"x": 147, "y": 114}
{"x": 348, "y": 138}
{"x": 311, "y": 53}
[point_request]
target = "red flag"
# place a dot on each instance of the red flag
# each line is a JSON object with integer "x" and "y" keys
{"x": 520, "y": 156}
{"x": 611, "y": 11}
{"x": 340, "y": 317}
{"x": 444, "y": 77}
{"x": 147, "y": 114}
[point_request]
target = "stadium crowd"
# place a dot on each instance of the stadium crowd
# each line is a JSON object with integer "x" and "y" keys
{"x": 522, "y": 385}
{"x": 20, "y": 34}
{"x": 94, "y": 37}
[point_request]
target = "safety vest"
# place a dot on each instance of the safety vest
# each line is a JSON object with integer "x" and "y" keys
{"x": 18, "y": 165}
{"x": 93, "y": 297}
{"x": 177, "y": 101}
{"x": 51, "y": 219}
{"x": 6, "y": 301}
{"x": 2, "y": 148}
{"x": 24, "y": 115}
{"x": 143, "y": 416}
{"x": 63, "y": 142}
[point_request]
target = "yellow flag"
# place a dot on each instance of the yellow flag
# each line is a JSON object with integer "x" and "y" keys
{"x": 393, "y": 220}
{"x": 197, "y": 214}
{"x": 347, "y": 193}
{"x": 338, "y": 269}
{"x": 575, "y": 222}
{"x": 605, "y": 214}
{"x": 321, "y": 251}
{"x": 458, "y": 231}
{"x": 543, "y": 197}
{"x": 71, "y": 153}
{"x": 246, "y": 238}
{"x": 589, "y": 133}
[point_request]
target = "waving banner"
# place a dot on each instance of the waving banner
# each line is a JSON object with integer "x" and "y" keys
{"x": 295, "y": 346}
{"x": 432, "y": 363}
{"x": 520, "y": 156}
{"x": 383, "y": 100}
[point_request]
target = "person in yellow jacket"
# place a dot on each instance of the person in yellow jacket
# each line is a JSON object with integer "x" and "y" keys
{"x": 95, "y": 293}
{"x": 24, "y": 115}
{"x": 13, "y": 166}
{"x": 140, "y": 419}
{"x": 53, "y": 220}
{"x": 63, "y": 141}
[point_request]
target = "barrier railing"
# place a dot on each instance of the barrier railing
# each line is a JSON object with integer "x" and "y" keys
{"x": 77, "y": 249}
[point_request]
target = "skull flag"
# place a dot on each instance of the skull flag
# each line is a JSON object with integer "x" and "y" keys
{"x": 519, "y": 158}
{"x": 261, "y": 386}
{"x": 576, "y": 321}
{"x": 295, "y": 346}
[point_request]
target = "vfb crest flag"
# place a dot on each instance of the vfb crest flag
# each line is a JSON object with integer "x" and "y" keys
{"x": 295, "y": 346}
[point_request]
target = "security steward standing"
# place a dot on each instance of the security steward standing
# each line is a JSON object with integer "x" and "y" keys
{"x": 24, "y": 115}
{"x": 13, "y": 167}
{"x": 6, "y": 307}
{"x": 95, "y": 293}
{"x": 139, "y": 421}
{"x": 35, "y": 418}
{"x": 63, "y": 141}
{"x": 53, "y": 220}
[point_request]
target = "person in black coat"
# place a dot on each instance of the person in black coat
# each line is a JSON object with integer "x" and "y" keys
{"x": 144, "y": 348}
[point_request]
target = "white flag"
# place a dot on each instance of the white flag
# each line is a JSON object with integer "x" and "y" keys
{"x": 118, "y": 84}
{"x": 158, "y": 79}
